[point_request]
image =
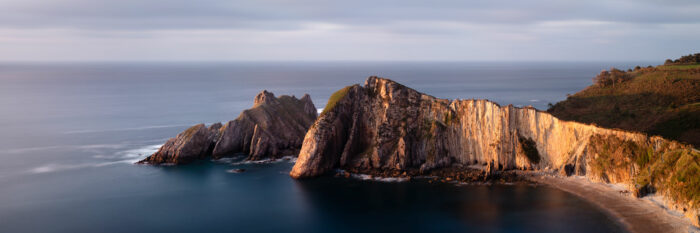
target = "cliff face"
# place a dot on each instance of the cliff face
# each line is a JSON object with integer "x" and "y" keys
{"x": 384, "y": 125}
{"x": 273, "y": 128}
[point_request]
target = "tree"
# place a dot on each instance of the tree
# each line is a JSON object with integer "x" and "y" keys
{"x": 602, "y": 79}
{"x": 607, "y": 78}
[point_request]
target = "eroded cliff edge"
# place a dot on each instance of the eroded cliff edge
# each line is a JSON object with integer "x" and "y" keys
{"x": 384, "y": 125}
{"x": 272, "y": 128}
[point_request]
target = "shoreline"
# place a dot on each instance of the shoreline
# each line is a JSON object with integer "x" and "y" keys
{"x": 636, "y": 215}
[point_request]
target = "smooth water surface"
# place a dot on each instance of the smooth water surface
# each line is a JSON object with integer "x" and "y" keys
{"x": 71, "y": 132}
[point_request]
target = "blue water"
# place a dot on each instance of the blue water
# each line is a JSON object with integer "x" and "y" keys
{"x": 70, "y": 133}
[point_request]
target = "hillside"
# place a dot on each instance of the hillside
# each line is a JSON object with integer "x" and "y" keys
{"x": 662, "y": 100}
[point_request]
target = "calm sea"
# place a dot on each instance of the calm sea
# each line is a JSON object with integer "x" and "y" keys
{"x": 71, "y": 132}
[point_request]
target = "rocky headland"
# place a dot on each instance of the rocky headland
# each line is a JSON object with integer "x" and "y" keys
{"x": 386, "y": 128}
{"x": 272, "y": 128}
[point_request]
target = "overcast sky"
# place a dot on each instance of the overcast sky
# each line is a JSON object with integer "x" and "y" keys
{"x": 203, "y": 30}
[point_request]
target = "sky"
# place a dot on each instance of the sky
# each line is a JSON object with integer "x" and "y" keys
{"x": 356, "y": 30}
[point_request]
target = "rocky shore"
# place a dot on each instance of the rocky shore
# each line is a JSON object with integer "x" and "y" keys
{"x": 447, "y": 174}
{"x": 274, "y": 127}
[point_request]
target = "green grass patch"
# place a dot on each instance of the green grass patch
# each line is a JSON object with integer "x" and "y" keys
{"x": 659, "y": 101}
{"x": 335, "y": 97}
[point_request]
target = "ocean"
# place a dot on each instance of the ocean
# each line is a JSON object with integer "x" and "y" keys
{"x": 71, "y": 133}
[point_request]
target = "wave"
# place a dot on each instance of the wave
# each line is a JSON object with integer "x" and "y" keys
{"x": 80, "y": 147}
{"x": 121, "y": 157}
{"x": 228, "y": 159}
{"x": 89, "y": 148}
{"x": 289, "y": 158}
{"x": 63, "y": 167}
{"x": 135, "y": 155}
{"x": 29, "y": 149}
{"x": 380, "y": 179}
{"x": 374, "y": 178}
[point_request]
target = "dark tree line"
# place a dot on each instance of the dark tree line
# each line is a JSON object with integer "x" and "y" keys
{"x": 612, "y": 77}
{"x": 684, "y": 60}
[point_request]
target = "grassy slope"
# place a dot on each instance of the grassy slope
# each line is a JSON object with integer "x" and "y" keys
{"x": 335, "y": 97}
{"x": 664, "y": 100}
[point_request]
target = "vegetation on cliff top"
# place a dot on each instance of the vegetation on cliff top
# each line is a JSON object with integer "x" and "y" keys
{"x": 691, "y": 59}
{"x": 335, "y": 97}
{"x": 662, "y": 100}
{"x": 669, "y": 168}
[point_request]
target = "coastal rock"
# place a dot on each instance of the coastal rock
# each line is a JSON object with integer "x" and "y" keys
{"x": 192, "y": 144}
{"x": 237, "y": 170}
{"x": 384, "y": 125}
{"x": 273, "y": 128}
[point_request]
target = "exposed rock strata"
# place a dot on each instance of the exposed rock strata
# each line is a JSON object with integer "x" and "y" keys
{"x": 273, "y": 128}
{"x": 384, "y": 125}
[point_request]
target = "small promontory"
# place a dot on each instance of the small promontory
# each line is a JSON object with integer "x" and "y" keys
{"x": 273, "y": 128}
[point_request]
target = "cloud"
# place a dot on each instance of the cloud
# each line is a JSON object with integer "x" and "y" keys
{"x": 284, "y": 14}
{"x": 346, "y": 30}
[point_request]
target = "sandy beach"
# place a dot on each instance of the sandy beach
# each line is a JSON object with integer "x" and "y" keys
{"x": 638, "y": 215}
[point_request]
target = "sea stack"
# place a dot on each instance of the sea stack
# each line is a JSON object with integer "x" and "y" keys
{"x": 272, "y": 128}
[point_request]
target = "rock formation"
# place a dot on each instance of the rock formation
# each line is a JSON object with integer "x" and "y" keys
{"x": 384, "y": 125}
{"x": 273, "y": 128}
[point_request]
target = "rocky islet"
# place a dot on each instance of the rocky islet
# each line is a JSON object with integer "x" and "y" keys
{"x": 274, "y": 127}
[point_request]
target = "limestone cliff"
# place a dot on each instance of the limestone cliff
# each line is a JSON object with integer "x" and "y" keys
{"x": 273, "y": 128}
{"x": 384, "y": 125}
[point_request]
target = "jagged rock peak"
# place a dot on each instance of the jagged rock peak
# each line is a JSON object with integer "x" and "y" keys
{"x": 264, "y": 97}
{"x": 309, "y": 107}
{"x": 274, "y": 127}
